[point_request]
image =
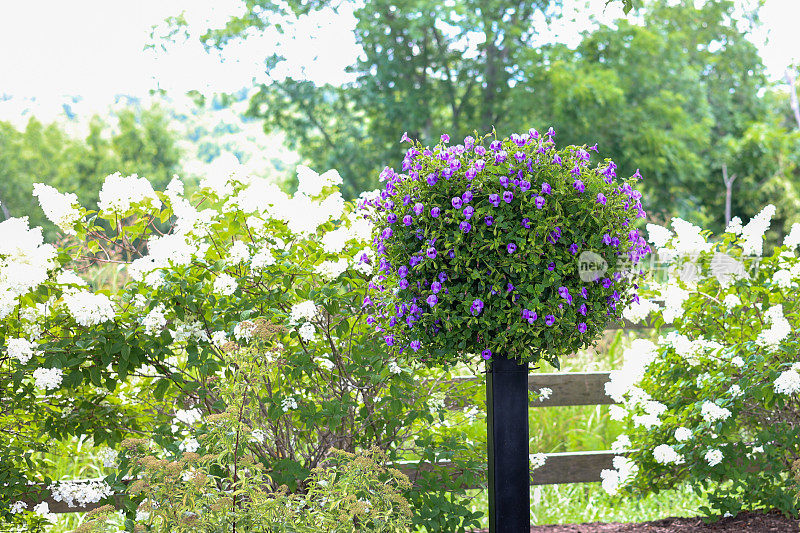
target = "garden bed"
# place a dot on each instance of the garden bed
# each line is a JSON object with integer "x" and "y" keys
{"x": 745, "y": 522}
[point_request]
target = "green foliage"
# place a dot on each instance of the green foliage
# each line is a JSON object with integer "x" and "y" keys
{"x": 487, "y": 241}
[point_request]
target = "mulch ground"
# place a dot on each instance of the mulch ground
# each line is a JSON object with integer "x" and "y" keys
{"x": 743, "y": 523}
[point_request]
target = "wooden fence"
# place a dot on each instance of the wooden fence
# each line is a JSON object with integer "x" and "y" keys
{"x": 569, "y": 389}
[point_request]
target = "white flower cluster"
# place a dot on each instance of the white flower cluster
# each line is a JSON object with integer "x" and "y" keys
{"x": 666, "y": 454}
{"x": 188, "y": 416}
{"x": 779, "y": 329}
{"x": 21, "y": 349}
{"x": 311, "y": 183}
{"x": 238, "y": 253}
{"x": 89, "y": 309}
{"x": 727, "y": 269}
{"x": 330, "y": 270}
{"x": 258, "y": 436}
{"x": 394, "y": 368}
{"x": 788, "y": 382}
{"x": 62, "y": 210}
{"x": 753, "y": 232}
{"x": 80, "y": 493}
{"x": 713, "y": 457}
{"x": 683, "y": 434}
{"x": 154, "y": 321}
{"x": 225, "y": 284}
{"x": 731, "y": 302}
{"x": 263, "y": 258}
{"x": 305, "y": 310}
{"x": 792, "y": 239}
{"x": 639, "y": 311}
{"x": 108, "y": 457}
{"x": 25, "y": 261}
{"x": 545, "y": 393}
{"x": 189, "y": 445}
{"x": 244, "y": 330}
{"x": 119, "y": 193}
{"x": 219, "y": 338}
{"x": 288, "y": 403}
{"x": 189, "y": 329}
{"x": 621, "y": 444}
{"x": 307, "y": 332}
{"x": 636, "y": 359}
{"x": 18, "y": 507}
{"x": 537, "y": 460}
{"x": 712, "y": 412}
{"x": 624, "y": 470}
{"x": 48, "y": 378}
{"x": 658, "y": 235}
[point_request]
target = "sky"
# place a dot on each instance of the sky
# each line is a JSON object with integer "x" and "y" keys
{"x": 95, "y": 48}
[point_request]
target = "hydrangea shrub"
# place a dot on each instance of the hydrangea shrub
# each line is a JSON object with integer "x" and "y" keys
{"x": 479, "y": 246}
{"x": 715, "y": 401}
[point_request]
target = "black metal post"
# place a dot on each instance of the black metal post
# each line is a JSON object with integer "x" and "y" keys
{"x": 507, "y": 440}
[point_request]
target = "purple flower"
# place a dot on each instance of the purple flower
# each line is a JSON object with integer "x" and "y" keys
{"x": 442, "y": 275}
{"x": 480, "y": 151}
{"x": 471, "y": 173}
{"x": 468, "y": 211}
{"x": 551, "y": 267}
{"x": 436, "y": 287}
{"x": 500, "y": 157}
{"x": 402, "y": 271}
{"x": 489, "y": 220}
{"x": 556, "y": 159}
{"x": 403, "y": 283}
{"x": 504, "y": 181}
{"x": 510, "y": 287}
{"x": 495, "y": 146}
{"x": 511, "y": 247}
{"x": 583, "y": 309}
{"x": 469, "y": 141}
{"x": 456, "y": 201}
{"x": 601, "y": 199}
{"x": 579, "y": 186}
{"x": 607, "y": 282}
{"x": 405, "y": 138}
{"x": 432, "y": 300}
{"x": 465, "y": 226}
{"x": 606, "y": 239}
{"x": 526, "y": 223}
{"x": 524, "y": 185}
{"x": 415, "y": 345}
{"x": 407, "y": 220}
{"x": 539, "y": 202}
{"x": 614, "y": 241}
{"x": 549, "y": 320}
{"x": 486, "y": 354}
{"x": 391, "y": 218}
{"x": 546, "y": 189}
{"x": 418, "y": 208}
{"x": 494, "y": 199}
{"x": 432, "y": 179}
{"x": 445, "y": 138}
{"x": 479, "y": 164}
{"x": 573, "y": 248}
{"x": 467, "y": 197}
{"x": 551, "y": 132}
{"x": 519, "y": 156}
{"x": 585, "y": 293}
{"x": 431, "y": 252}
{"x": 508, "y": 196}
{"x": 582, "y": 327}
{"x": 446, "y": 173}
{"x": 386, "y": 233}
{"x": 477, "y": 307}
{"x": 435, "y": 212}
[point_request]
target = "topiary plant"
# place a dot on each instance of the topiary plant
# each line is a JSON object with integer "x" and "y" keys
{"x": 487, "y": 249}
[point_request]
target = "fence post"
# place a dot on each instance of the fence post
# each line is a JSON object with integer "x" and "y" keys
{"x": 507, "y": 443}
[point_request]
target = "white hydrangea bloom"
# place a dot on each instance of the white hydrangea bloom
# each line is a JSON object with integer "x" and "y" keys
{"x": 334, "y": 241}
{"x": 330, "y": 270}
{"x": 25, "y": 260}
{"x": 735, "y": 391}
{"x": 8, "y": 302}
{"x": 616, "y": 412}
{"x": 674, "y": 296}
{"x": 62, "y": 210}
{"x": 609, "y": 481}
{"x": 731, "y": 301}
{"x": 304, "y": 310}
{"x": 189, "y": 445}
{"x": 308, "y": 332}
{"x": 21, "y": 349}
{"x": 262, "y": 258}
{"x": 734, "y": 226}
{"x": 666, "y": 454}
{"x": 545, "y": 393}
{"x": 779, "y": 329}
{"x": 238, "y": 253}
{"x": 258, "y": 436}
{"x": 89, "y": 309}
{"x": 624, "y": 470}
{"x": 361, "y": 228}
{"x": 188, "y": 329}
{"x": 68, "y": 277}
{"x": 727, "y": 269}
{"x": 793, "y": 238}
{"x": 713, "y": 457}
{"x": 637, "y": 312}
{"x": 310, "y": 183}
{"x": 621, "y": 444}
{"x": 288, "y": 404}
{"x": 80, "y": 493}
{"x": 225, "y": 284}
{"x": 18, "y": 507}
{"x": 658, "y": 235}
{"x": 42, "y": 509}
{"x": 689, "y": 239}
{"x": 738, "y": 361}
{"x": 788, "y": 382}
{"x": 394, "y": 368}
{"x": 712, "y": 412}
{"x": 635, "y": 360}
{"x": 219, "y": 338}
{"x": 244, "y": 330}
{"x": 537, "y": 460}
{"x": 119, "y": 193}
{"x": 683, "y": 434}
{"x": 108, "y": 457}
{"x": 154, "y": 321}
{"x": 188, "y": 416}
{"x": 753, "y": 232}
{"x": 48, "y": 378}
{"x": 783, "y": 279}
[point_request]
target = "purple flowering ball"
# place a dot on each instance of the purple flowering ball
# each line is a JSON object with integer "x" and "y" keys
{"x": 436, "y": 287}
{"x": 508, "y": 196}
{"x": 511, "y": 248}
{"x": 468, "y": 211}
{"x": 583, "y": 309}
{"x": 539, "y": 202}
{"x": 456, "y": 201}
{"x": 601, "y": 199}
{"x": 407, "y": 220}
{"x": 582, "y": 327}
{"x": 573, "y": 248}
{"x": 495, "y": 145}
{"x": 432, "y": 300}
{"x": 526, "y": 223}
{"x": 415, "y": 345}
{"x": 386, "y": 233}
{"x": 579, "y": 186}
{"x": 402, "y": 271}
{"x": 467, "y": 197}
{"x": 465, "y": 227}
{"x": 480, "y": 151}
{"x": 403, "y": 283}
{"x": 546, "y": 188}
{"x": 391, "y": 218}
{"x": 486, "y": 354}
{"x": 524, "y": 185}
{"x": 549, "y": 320}
{"x": 606, "y": 239}
{"x": 494, "y": 199}
{"x": 551, "y": 266}
{"x": 519, "y": 156}
{"x": 435, "y": 212}
{"x": 471, "y": 173}
{"x": 389, "y": 340}
{"x": 431, "y": 252}
{"x": 585, "y": 293}
{"x": 477, "y": 307}
{"x": 480, "y": 164}
{"x": 445, "y": 138}
{"x": 489, "y": 220}
{"x": 418, "y": 208}
{"x": 504, "y": 181}
{"x": 432, "y": 179}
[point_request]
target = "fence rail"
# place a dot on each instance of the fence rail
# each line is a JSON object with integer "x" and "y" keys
{"x": 568, "y": 389}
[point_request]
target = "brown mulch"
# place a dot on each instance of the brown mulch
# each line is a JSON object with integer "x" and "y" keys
{"x": 772, "y": 522}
